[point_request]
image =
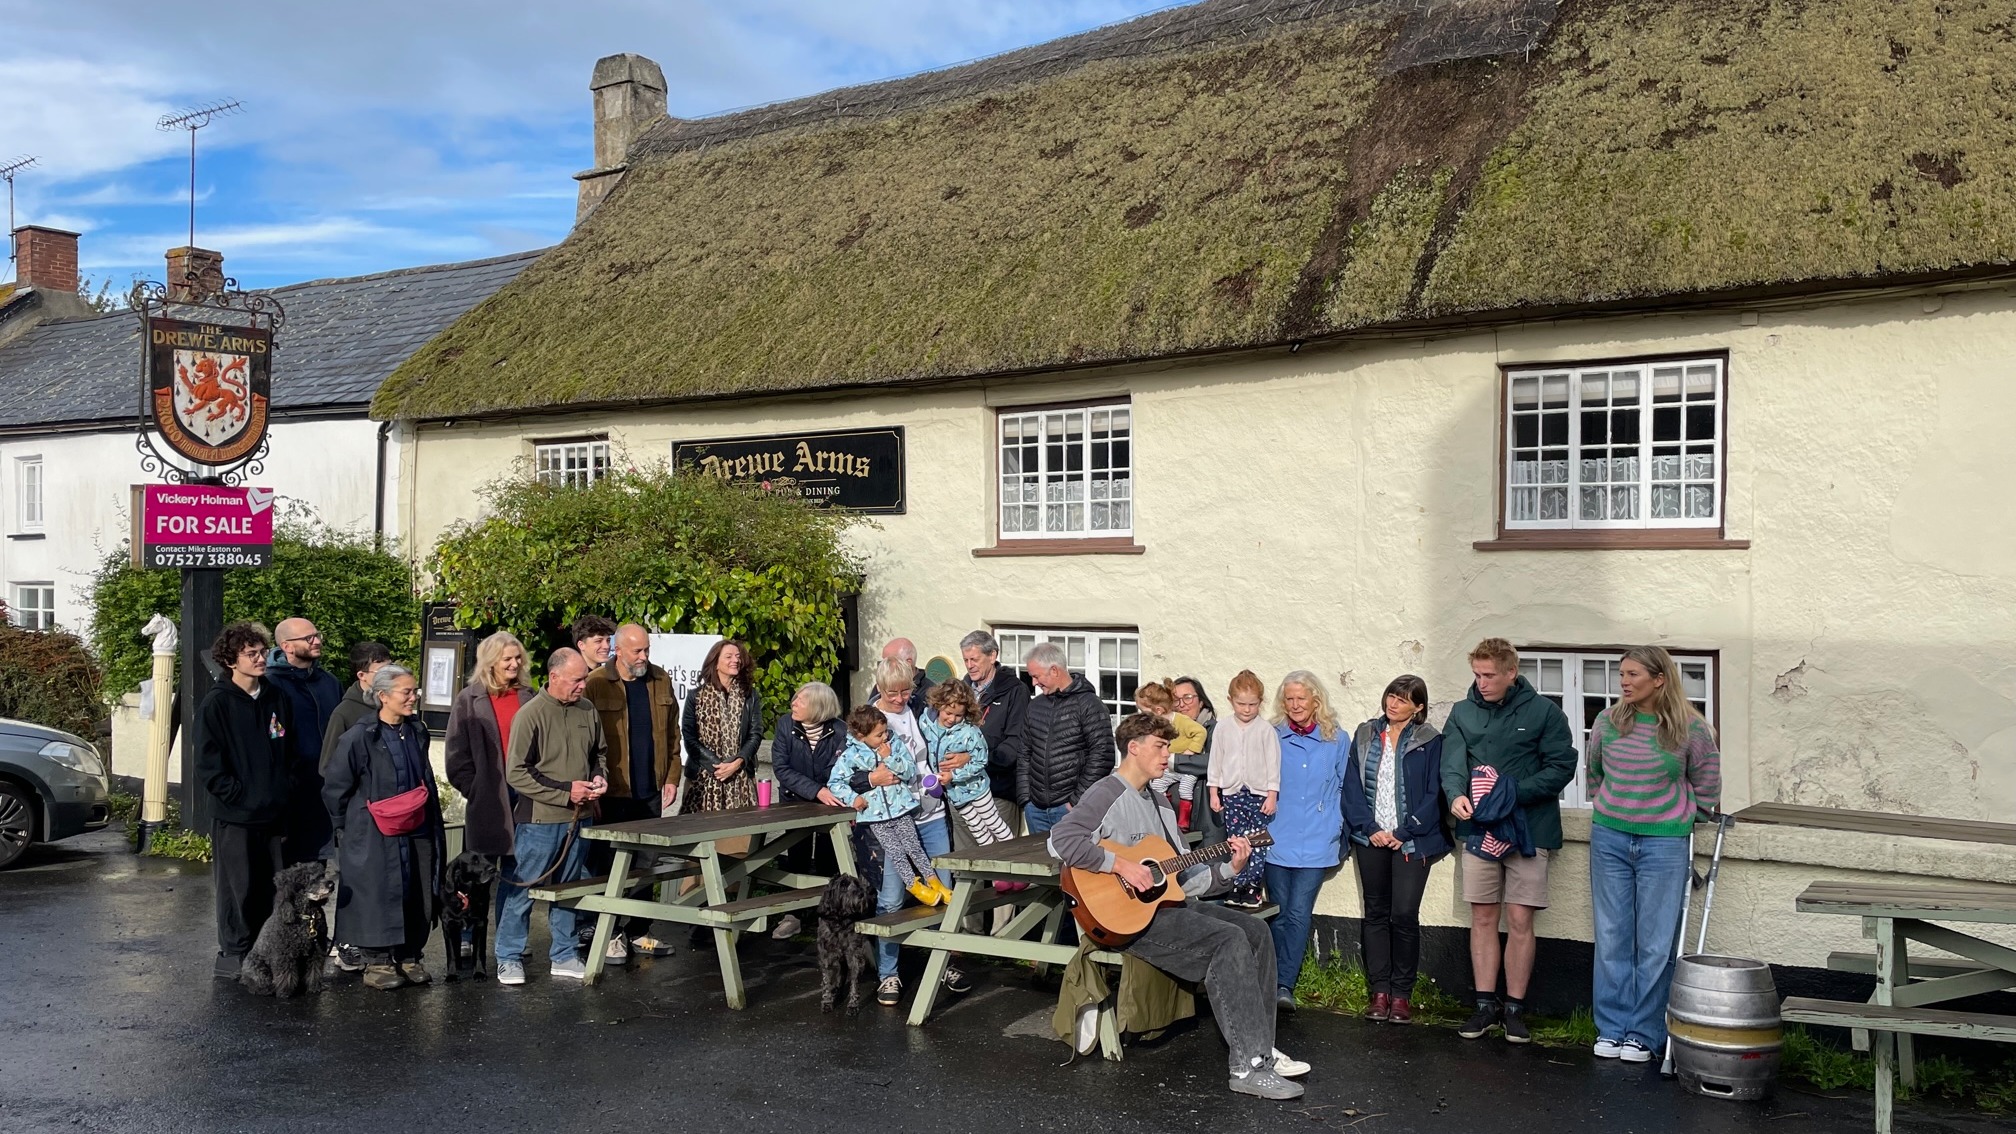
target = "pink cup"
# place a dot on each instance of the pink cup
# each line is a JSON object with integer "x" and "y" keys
{"x": 762, "y": 793}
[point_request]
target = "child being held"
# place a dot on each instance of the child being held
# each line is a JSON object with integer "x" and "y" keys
{"x": 1245, "y": 778}
{"x": 967, "y": 789}
{"x": 1155, "y": 697}
{"x": 888, "y": 812}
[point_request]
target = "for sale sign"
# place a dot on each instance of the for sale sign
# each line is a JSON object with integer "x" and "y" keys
{"x": 203, "y": 525}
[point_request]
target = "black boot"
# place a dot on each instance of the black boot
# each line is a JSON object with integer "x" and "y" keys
{"x": 1486, "y": 1017}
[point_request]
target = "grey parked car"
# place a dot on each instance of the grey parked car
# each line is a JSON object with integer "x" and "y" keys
{"x": 52, "y": 786}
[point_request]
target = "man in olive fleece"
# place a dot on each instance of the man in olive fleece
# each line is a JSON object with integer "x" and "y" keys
{"x": 558, "y": 760}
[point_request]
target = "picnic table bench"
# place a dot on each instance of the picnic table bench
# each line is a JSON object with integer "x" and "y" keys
{"x": 681, "y": 846}
{"x": 1040, "y": 909}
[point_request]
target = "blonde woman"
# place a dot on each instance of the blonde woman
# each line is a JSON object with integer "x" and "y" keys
{"x": 1653, "y": 767}
{"x": 1308, "y": 823}
{"x": 479, "y": 733}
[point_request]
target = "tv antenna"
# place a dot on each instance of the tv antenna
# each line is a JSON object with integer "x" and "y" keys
{"x": 193, "y": 119}
{"x": 8, "y": 171}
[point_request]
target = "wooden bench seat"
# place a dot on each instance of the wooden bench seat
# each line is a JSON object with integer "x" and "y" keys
{"x": 902, "y": 923}
{"x": 1922, "y": 968}
{"x": 790, "y": 901}
{"x": 664, "y": 870}
{"x": 1913, "y": 1021}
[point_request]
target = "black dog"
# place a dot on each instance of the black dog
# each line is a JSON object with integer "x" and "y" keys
{"x": 464, "y": 900}
{"x": 287, "y": 957}
{"x": 846, "y": 901}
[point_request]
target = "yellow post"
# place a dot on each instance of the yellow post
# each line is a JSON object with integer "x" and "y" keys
{"x": 154, "y": 803}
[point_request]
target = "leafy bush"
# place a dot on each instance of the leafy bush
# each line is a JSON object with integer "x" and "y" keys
{"x": 350, "y": 586}
{"x": 674, "y": 551}
{"x": 48, "y": 677}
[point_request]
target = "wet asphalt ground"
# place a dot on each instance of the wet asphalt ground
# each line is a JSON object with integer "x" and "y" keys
{"x": 109, "y": 1020}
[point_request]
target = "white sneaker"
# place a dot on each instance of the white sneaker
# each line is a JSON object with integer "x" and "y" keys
{"x": 618, "y": 952}
{"x": 1288, "y": 1067}
{"x": 890, "y": 992}
{"x": 1608, "y": 1049}
{"x": 788, "y": 927}
{"x": 573, "y": 969}
{"x": 1088, "y": 1028}
{"x": 510, "y": 972}
{"x": 1631, "y": 1051}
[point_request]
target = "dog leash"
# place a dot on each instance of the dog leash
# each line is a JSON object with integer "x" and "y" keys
{"x": 573, "y": 829}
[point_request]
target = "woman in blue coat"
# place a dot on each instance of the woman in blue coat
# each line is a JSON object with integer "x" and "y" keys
{"x": 1308, "y": 824}
{"x": 385, "y": 901}
{"x": 1393, "y": 811}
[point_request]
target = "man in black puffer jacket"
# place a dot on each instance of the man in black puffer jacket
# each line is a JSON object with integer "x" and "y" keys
{"x": 1067, "y": 740}
{"x": 246, "y": 763}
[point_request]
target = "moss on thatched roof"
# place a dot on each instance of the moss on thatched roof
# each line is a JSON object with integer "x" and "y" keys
{"x": 1234, "y": 175}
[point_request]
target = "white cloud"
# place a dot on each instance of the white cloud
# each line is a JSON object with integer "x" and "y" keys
{"x": 93, "y": 120}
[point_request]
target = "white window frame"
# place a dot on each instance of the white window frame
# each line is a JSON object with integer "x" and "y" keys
{"x": 1093, "y": 500}
{"x": 29, "y": 488}
{"x": 29, "y": 614}
{"x": 1696, "y": 471}
{"x": 574, "y": 462}
{"x": 1101, "y": 655}
{"x": 1575, "y": 695}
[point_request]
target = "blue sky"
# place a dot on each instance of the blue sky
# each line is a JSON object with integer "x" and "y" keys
{"x": 380, "y": 134}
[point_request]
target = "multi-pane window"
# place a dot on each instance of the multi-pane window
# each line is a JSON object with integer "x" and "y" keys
{"x": 1620, "y": 446}
{"x": 34, "y": 606}
{"x": 28, "y": 493}
{"x": 1109, "y": 659}
{"x": 1585, "y": 683}
{"x": 570, "y": 464}
{"x": 1067, "y": 472}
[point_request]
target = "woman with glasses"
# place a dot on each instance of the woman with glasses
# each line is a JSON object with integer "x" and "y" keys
{"x": 390, "y": 855}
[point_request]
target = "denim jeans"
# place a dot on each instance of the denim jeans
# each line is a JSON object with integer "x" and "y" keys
{"x": 1637, "y": 884}
{"x": 937, "y": 840}
{"x": 1227, "y": 951}
{"x": 1041, "y": 819}
{"x": 536, "y": 845}
{"x": 1293, "y": 888}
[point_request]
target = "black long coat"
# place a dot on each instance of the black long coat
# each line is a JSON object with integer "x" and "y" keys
{"x": 376, "y": 869}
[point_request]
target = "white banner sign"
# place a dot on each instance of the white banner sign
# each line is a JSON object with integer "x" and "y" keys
{"x": 680, "y": 656}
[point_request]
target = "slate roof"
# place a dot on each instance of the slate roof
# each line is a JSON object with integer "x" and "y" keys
{"x": 1248, "y": 173}
{"x": 341, "y": 338}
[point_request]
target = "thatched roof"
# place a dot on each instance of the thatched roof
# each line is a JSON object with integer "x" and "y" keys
{"x": 1239, "y": 174}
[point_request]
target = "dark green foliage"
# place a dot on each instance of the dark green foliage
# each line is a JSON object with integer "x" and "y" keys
{"x": 351, "y": 588}
{"x": 48, "y": 677}
{"x": 676, "y": 552}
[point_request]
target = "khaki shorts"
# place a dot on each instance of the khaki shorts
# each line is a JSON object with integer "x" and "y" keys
{"x": 1514, "y": 879}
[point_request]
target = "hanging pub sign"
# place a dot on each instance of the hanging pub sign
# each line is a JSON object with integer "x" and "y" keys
{"x": 857, "y": 469}
{"x": 202, "y": 526}
{"x": 208, "y": 387}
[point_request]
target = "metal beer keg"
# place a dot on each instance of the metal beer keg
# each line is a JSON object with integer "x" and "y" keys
{"x": 1723, "y": 1016}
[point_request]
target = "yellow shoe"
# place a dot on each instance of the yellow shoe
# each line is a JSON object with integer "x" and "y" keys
{"x": 944, "y": 891}
{"x": 926, "y": 894}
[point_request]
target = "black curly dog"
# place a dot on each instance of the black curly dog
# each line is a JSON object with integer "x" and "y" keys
{"x": 286, "y": 959}
{"x": 465, "y": 901}
{"x": 846, "y": 901}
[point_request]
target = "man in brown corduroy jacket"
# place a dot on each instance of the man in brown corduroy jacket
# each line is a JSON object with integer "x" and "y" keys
{"x": 640, "y": 719}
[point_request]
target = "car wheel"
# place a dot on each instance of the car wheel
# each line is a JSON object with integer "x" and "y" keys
{"x": 17, "y": 822}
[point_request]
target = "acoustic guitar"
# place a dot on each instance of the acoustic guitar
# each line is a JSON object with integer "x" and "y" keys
{"x": 1112, "y": 913}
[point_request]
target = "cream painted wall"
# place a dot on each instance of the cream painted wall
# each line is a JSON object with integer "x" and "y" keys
{"x": 1319, "y": 510}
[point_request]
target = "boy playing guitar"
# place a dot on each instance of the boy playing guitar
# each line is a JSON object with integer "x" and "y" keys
{"x": 1231, "y": 953}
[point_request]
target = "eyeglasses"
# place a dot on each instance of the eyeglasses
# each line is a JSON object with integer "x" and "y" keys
{"x": 302, "y": 638}
{"x": 251, "y": 652}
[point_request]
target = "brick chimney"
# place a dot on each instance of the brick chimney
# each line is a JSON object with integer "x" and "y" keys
{"x": 45, "y": 258}
{"x": 194, "y": 274}
{"x": 629, "y": 93}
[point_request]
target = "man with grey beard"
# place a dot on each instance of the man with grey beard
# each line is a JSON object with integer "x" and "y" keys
{"x": 640, "y": 718}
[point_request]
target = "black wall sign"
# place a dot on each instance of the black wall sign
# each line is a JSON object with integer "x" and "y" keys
{"x": 208, "y": 386}
{"x": 859, "y": 469}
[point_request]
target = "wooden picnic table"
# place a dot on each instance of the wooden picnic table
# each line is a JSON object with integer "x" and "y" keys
{"x": 680, "y": 846}
{"x": 1040, "y": 909}
{"x": 1893, "y": 915}
{"x": 1879, "y": 823}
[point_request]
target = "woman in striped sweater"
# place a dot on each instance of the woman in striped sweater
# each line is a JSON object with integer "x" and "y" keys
{"x": 1653, "y": 766}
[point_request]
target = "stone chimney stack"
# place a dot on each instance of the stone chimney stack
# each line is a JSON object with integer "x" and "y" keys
{"x": 194, "y": 274}
{"x": 45, "y": 258}
{"x": 629, "y": 95}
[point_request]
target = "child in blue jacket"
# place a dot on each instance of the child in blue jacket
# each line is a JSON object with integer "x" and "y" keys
{"x": 888, "y": 812}
{"x": 967, "y": 791}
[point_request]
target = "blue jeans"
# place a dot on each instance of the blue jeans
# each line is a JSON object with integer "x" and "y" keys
{"x": 1041, "y": 819}
{"x": 1637, "y": 884}
{"x": 1293, "y": 888}
{"x": 536, "y": 845}
{"x": 937, "y": 840}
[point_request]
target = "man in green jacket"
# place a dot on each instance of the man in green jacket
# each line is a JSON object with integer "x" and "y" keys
{"x": 1505, "y": 724}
